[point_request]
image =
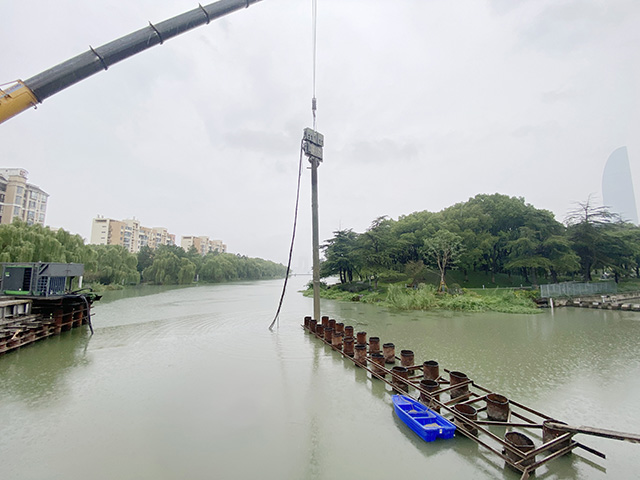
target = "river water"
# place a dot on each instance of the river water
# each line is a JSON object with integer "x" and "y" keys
{"x": 190, "y": 384}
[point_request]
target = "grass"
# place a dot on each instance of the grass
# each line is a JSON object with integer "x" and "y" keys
{"x": 473, "y": 293}
{"x": 425, "y": 297}
{"x": 365, "y": 296}
{"x": 629, "y": 285}
{"x": 482, "y": 279}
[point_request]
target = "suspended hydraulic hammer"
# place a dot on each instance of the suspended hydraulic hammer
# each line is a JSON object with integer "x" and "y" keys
{"x": 18, "y": 96}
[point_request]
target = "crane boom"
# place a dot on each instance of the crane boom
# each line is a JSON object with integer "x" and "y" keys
{"x": 19, "y": 95}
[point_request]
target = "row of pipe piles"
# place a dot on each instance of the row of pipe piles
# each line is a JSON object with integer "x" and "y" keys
{"x": 488, "y": 418}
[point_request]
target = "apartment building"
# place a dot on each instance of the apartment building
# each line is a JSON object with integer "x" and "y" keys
{"x": 19, "y": 199}
{"x": 202, "y": 244}
{"x": 157, "y": 236}
{"x": 129, "y": 234}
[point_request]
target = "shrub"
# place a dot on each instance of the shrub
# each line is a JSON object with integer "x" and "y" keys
{"x": 353, "y": 287}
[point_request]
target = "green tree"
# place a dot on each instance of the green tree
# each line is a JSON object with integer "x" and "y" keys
{"x": 487, "y": 223}
{"x": 588, "y": 228}
{"x": 541, "y": 247}
{"x": 20, "y": 242}
{"x": 145, "y": 258}
{"x": 374, "y": 248}
{"x": 563, "y": 260}
{"x": 224, "y": 267}
{"x": 169, "y": 269}
{"x": 443, "y": 249}
{"x": 409, "y": 233}
{"x": 504, "y": 216}
{"x": 526, "y": 254}
{"x": 340, "y": 256}
{"x": 114, "y": 265}
{"x": 187, "y": 272}
{"x": 194, "y": 256}
{"x": 219, "y": 268}
{"x": 634, "y": 249}
{"x": 623, "y": 241}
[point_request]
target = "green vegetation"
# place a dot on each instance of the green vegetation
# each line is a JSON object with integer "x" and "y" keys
{"x": 427, "y": 297}
{"x": 22, "y": 243}
{"x": 171, "y": 265}
{"x": 486, "y": 242}
{"x": 112, "y": 266}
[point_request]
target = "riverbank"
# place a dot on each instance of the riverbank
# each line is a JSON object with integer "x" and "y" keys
{"x": 621, "y": 301}
{"x": 426, "y": 298}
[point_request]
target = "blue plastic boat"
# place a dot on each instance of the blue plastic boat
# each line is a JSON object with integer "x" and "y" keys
{"x": 428, "y": 424}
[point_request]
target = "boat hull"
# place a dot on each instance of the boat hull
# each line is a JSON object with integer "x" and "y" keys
{"x": 426, "y": 423}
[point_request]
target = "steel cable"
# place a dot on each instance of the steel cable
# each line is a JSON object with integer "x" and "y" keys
{"x": 314, "y": 10}
{"x": 293, "y": 238}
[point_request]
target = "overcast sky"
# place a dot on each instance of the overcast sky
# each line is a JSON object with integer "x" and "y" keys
{"x": 422, "y": 103}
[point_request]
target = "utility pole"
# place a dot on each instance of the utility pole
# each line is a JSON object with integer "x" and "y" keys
{"x": 312, "y": 146}
{"x": 316, "y": 239}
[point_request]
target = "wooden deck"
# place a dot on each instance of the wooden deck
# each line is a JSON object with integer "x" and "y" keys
{"x": 44, "y": 318}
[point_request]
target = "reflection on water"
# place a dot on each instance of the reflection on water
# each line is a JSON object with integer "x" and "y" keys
{"x": 37, "y": 375}
{"x": 134, "y": 291}
{"x": 190, "y": 383}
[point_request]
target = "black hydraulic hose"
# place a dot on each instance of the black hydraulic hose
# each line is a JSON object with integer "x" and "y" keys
{"x": 86, "y": 302}
{"x": 53, "y": 80}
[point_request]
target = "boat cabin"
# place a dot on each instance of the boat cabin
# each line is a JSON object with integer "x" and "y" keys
{"x": 39, "y": 279}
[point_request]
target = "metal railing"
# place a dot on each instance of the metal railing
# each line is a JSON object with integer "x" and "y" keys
{"x": 574, "y": 289}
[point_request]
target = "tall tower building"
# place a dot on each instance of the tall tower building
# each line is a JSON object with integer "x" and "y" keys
{"x": 617, "y": 186}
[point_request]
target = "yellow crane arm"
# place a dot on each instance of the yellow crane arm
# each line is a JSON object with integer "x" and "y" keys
{"x": 14, "y": 99}
{"x": 19, "y": 96}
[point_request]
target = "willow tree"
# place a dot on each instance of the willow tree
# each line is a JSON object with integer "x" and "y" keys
{"x": 114, "y": 264}
{"x": 170, "y": 269}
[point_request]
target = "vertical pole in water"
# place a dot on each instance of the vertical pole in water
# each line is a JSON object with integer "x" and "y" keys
{"x": 312, "y": 143}
{"x": 316, "y": 237}
{"x": 312, "y": 146}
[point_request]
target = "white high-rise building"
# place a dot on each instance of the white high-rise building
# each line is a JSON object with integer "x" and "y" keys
{"x": 617, "y": 186}
{"x": 129, "y": 234}
{"x": 19, "y": 199}
{"x": 202, "y": 244}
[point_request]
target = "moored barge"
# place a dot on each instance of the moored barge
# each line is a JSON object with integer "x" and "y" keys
{"x": 37, "y": 302}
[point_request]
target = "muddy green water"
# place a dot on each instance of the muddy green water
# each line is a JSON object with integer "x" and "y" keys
{"x": 190, "y": 384}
